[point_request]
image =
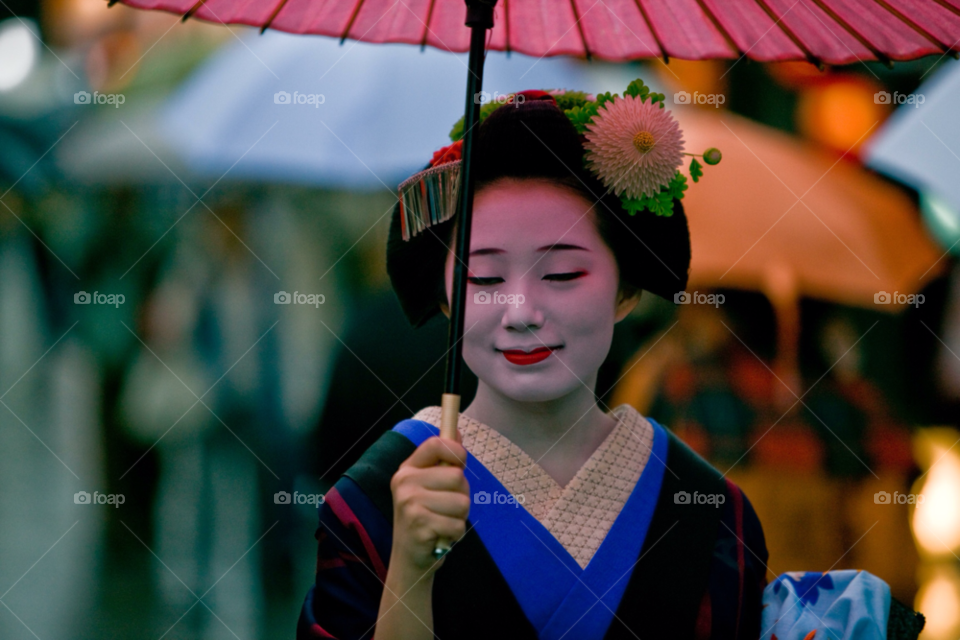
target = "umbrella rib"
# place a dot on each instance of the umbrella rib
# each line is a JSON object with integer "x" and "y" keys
{"x": 882, "y": 57}
{"x": 646, "y": 18}
{"x": 723, "y": 32}
{"x": 506, "y": 25}
{"x": 778, "y": 22}
{"x": 916, "y": 27}
{"x": 583, "y": 38}
{"x": 273, "y": 15}
{"x": 948, "y": 6}
{"x": 426, "y": 25}
{"x": 353, "y": 17}
{"x": 192, "y": 10}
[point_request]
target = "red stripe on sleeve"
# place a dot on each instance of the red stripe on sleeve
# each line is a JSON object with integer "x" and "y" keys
{"x": 320, "y": 632}
{"x": 704, "y": 627}
{"x": 349, "y": 519}
{"x": 737, "y": 498}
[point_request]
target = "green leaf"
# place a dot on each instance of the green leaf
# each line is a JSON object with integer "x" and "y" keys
{"x": 633, "y": 205}
{"x": 696, "y": 170}
{"x": 571, "y": 99}
{"x": 660, "y": 204}
{"x": 582, "y": 116}
{"x": 605, "y": 97}
{"x": 485, "y": 110}
{"x": 637, "y": 89}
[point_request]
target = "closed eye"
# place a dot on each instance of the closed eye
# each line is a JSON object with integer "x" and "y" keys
{"x": 564, "y": 277}
{"x": 485, "y": 282}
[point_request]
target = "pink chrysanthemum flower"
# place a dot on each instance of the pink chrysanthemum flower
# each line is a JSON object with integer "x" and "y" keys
{"x": 635, "y": 147}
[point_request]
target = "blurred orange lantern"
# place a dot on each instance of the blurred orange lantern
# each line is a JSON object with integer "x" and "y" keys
{"x": 841, "y": 113}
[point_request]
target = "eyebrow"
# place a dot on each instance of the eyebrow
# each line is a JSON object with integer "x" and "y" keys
{"x": 559, "y": 246}
{"x": 562, "y": 247}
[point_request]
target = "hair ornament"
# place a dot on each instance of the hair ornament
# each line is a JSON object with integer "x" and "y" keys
{"x": 630, "y": 143}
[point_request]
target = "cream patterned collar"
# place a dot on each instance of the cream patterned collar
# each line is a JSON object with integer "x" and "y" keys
{"x": 580, "y": 514}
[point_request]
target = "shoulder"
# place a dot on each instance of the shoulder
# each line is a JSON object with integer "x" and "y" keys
{"x": 375, "y": 468}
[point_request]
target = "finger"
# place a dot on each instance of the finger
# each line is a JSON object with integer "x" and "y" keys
{"x": 446, "y": 503}
{"x": 440, "y": 478}
{"x": 435, "y": 450}
{"x": 448, "y": 528}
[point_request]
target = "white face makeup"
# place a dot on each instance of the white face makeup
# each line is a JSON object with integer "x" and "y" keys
{"x": 543, "y": 292}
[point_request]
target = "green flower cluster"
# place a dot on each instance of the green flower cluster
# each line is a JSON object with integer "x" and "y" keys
{"x": 581, "y": 110}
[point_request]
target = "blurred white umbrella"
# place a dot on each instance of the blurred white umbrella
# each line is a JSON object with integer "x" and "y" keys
{"x": 382, "y": 109}
{"x": 920, "y": 146}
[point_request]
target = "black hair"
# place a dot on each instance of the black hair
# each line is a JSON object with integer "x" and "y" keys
{"x": 535, "y": 140}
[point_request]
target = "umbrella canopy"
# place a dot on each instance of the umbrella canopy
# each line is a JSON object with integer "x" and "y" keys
{"x": 919, "y": 145}
{"x": 777, "y": 210}
{"x": 385, "y": 109}
{"x": 829, "y": 31}
{"x": 789, "y": 220}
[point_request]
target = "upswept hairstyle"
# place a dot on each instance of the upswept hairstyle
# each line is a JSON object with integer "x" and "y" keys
{"x": 535, "y": 140}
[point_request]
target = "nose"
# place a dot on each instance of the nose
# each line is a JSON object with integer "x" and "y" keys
{"x": 522, "y": 313}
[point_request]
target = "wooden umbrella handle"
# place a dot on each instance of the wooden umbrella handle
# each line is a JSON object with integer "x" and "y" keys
{"x": 449, "y": 417}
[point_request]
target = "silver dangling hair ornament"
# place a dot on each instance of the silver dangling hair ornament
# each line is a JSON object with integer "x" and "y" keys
{"x": 429, "y": 198}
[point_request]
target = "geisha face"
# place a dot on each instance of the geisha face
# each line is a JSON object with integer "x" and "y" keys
{"x": 543, "y": 292}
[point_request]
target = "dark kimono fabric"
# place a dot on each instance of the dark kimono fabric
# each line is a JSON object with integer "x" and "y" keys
{"x": 675, "y": 590}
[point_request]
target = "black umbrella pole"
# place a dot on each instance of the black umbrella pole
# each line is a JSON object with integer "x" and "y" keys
{"x": 479, "y": 19}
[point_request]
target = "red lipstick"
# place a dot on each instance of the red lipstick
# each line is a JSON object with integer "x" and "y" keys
{"x": 518, "y": 356}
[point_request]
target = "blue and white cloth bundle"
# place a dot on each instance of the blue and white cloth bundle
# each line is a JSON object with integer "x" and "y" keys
{"x": 839, "y": 605}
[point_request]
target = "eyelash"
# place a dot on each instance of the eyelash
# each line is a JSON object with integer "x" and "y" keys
{"x": 553, "y": 277}
{"x": 565, "y": 277}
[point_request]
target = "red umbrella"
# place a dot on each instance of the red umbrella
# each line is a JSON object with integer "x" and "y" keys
{"x": 822, "y": 31}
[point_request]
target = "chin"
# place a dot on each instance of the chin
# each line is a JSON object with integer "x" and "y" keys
{"x": 543, "y": 385}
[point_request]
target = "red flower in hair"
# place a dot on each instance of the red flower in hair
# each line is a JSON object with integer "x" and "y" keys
{"x": 449, "y": 153}
{"x": 536, "y": 94}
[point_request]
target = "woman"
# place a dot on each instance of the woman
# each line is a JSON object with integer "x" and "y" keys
{"x": 569, "y": 521}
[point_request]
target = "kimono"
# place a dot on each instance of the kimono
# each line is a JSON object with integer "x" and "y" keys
{"x": 647, "y": 540}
